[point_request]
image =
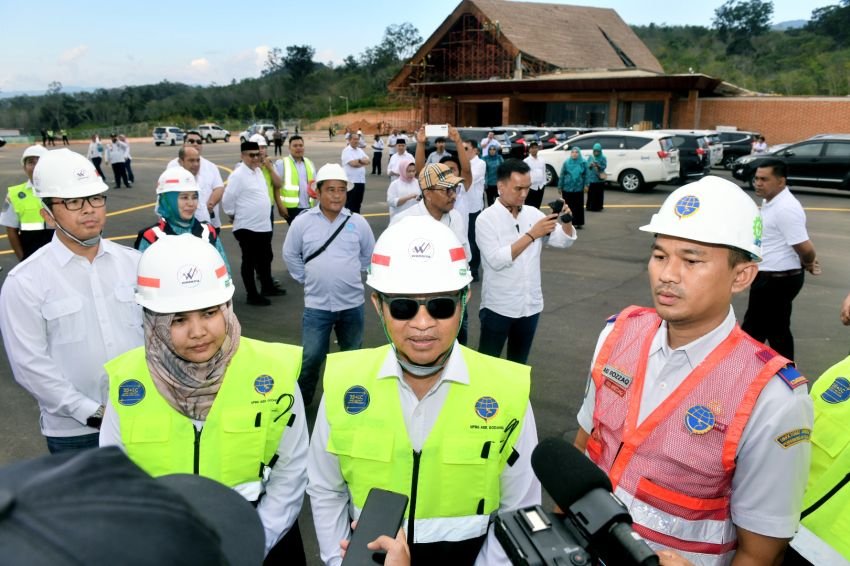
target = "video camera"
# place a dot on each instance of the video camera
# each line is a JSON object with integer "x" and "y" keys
{"x": 557, "y": 206}
{"x": 596, "y": 525}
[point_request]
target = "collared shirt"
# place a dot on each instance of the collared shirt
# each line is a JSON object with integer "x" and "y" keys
{"x": 399, "y": 189}
{"x": 783, "y": 226}
{"x": 378, "y": 145}
{"x": 392, "y": 164}
{"x": 209, "y": 179}
{"x": 475, "y": 194}
{"x": 246, "y": 199}
{"x": 538, "y": 172}
{"x": 332, "y": 280}
{"x": 487, "y": 142}
{"x": 63, "y": 317}
{"x": 436, "y": 156}
{"x": 329, "y": 497}
{"x": 355, "y": 174}
{"x": 117, "y": 152}
{"x": 512, "y": 286}
{"x": 95, "y": 150}
{"x": 453, "y": 219}
{"x": 762, "y": 501}
{"x": 303, "y": 184}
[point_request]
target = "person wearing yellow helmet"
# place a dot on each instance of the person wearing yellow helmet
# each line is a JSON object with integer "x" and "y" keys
{"x": 21, "y": 213}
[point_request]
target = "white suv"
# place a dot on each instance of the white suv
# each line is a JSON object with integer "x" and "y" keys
{"x": 213, "y": 133}
{"x": 169, "y": 135}
{"x": 636, "y": 160}
{"x": 265, "y": 129}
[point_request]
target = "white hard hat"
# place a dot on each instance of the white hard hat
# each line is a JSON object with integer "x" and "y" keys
{"x": 33, "y": 151}
{"x": 333, "y": 171}
{"x": 176, "y": 180}
{"x": 712, "y": 211}
{"x": 61, "y": 173}
{"x": 259, "y": 139}
{"x": 418, "y": 255}
{"x": 182, "y": 273}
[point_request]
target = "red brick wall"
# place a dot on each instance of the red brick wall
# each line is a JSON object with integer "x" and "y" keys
{"x": 779, "y": 119}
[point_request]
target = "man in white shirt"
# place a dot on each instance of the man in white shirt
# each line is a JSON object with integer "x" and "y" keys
{"x": 400, "y": 153}
{"x": 246, "y": 200}
{"x": 116, "y": 152}
{"x": 474, "y": 200}
{"x": 488, "y": 141}
{"x": 210, "y": 183}
{"x": 511, "y": 237}
{"x": 70, "y": 307}
{"x": 787, "y": 252}
{"x": 354, "y": 161}
{"x": 538, "y": 176}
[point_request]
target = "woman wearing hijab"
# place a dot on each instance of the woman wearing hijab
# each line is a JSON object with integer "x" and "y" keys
{"x": 201, "y": 398}
{"x": 573, "y": 184}
{"x": 596, "y": 165}
{"x": 404, "y": 191}
{"x": 492, "y": 159}
{"x": 176, "y": 204}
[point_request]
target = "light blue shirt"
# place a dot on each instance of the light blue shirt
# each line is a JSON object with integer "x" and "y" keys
{"x": 332, "y": 280}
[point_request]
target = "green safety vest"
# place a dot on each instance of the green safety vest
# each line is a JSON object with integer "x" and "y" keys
{"x": 268, "y": 177}
{"x": 291, "y": 188}
{"x": 828, "y": 516}
{"x": 464, "y": 454}
{"x": 27, "y": 207}
{"x": 241, "y": 433}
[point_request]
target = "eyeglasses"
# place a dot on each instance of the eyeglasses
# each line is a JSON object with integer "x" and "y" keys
{"x": 254, "y": 155}
{"x": 447, "y": 190}
{"x": 405, "y": 308}
{"x": 72, "y": 204}
{"x": 194, "y": 141}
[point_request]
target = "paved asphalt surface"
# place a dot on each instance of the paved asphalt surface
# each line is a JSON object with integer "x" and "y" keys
{"x": 602, "y": 273}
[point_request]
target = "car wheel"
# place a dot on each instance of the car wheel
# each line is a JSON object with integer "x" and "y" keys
{"x": 209, "y": 138}
{"x": 631, "y": 181}
{"x": 226, "y": 139}
{"x": 242, "y": 140}
{"x": 728, "y": 161}
{"x": 173, "y": 142}
{"x": 551, "y": 176}
{"x": 157, "y": 144}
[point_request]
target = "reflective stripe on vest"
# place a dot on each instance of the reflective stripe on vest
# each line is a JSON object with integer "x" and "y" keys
{"x": 678, "y": 481}
{"x": 291, "y": 188}
{"x": 464, "y": 453}
{"x": 815, "y": 550}
{"x": 27, "y": 207}
{"x": 242, "y": 431}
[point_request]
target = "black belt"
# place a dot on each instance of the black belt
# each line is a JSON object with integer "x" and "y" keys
{"x": 788, "y": 273}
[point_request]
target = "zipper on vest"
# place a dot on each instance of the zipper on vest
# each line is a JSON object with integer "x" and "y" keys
{"x": 197, "y": 449}
{"x": 835, "y": 489}
{"x": 414, "y": 482}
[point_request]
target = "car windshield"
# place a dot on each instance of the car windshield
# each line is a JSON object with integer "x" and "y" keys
{"x": 666, "y": 143}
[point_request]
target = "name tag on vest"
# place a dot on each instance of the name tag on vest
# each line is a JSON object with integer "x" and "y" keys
{"x": 616, "y": 380}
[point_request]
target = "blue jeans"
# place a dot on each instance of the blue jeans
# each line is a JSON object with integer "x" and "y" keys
{"x": 316, "y": 325}
{"x": 519, "y": 333}
{"x": 57, "y": 444}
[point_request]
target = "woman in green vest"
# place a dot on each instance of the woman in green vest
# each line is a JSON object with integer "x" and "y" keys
{"x": 201, "y": 398}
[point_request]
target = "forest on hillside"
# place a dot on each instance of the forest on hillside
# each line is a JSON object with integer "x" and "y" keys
{"x": 739, "y": 47}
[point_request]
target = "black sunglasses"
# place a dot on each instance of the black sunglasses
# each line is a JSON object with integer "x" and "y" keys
{"x": 405, "y": 308}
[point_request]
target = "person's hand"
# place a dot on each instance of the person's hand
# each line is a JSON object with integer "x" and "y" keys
{"x": 282, "y": 210}
{"x": 398, "y": 553}
{"x": 544, "y": 226}
{"x": 672, "y": 558}
{"x": 814, "y": 268}
{"x": 845, "y": 311}
{"x": 454, "y": 135}
{"x": 420, "y": 135}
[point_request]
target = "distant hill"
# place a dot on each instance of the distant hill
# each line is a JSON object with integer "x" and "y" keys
{"x": 790, "y": 24}
{"x": 66, "y": 89}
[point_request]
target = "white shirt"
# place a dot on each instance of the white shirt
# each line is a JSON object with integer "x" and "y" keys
{"x": 355, "y": 174}
{"x": 331, "y": 500}
{"x": 767, "y": 488}
{"x": 475, "y": 194}
{"x": 117, "y": 151}
{"x": 436, "y": 156}
{"x": 511, "y": 287}
{"x": 538, "y": 172}
{"x": 487, "y": 142}
{"x": 392, "y": 164}
{"x": 62, "y": 318}
{"x": 209, "y": 179}
{"x": 246, "y": 199}
{"x": 284, "y": 490}
{"x": 399, "y": 189}
{"x": 95, "y": 150}
{"x": 453, "y": 219}
{"x": 783, "y": 226}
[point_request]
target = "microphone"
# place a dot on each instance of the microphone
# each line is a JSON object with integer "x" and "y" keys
{"x": 583, "y": 492}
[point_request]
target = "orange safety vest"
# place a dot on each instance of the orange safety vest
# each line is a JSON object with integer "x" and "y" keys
{"x": 674, "y": 470}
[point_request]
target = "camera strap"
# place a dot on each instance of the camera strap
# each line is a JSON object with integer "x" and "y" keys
{"x": 318, "y": 252}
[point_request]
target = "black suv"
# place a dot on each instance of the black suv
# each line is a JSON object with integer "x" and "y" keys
{"x": 736, "y": 144}
{"x": 820, "y": 161}
{"x": 694, "y": 156}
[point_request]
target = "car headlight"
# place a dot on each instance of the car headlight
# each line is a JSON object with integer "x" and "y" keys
{"x": 744, "y": 160}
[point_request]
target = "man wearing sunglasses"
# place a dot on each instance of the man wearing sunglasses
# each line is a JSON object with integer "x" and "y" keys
{"x": 70, "y": 307}
{"x": 207, "y": 174}
{"x": 424, "y": 416}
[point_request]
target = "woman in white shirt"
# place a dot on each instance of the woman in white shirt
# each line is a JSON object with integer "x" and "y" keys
{"x": 404, "y": 191}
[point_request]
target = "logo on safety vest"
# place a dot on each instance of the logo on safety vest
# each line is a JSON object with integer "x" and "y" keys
{"x": 355, "y": 400}
{"x": 699, "y": 419}
{"x": 686, "y": 206}
{"x": 758, "y": 226}
{"x": 189, "y": 276}
{"x": 486, "y": 408}
{"x": 22, "y": 195}
{"x": 263, "y": 384}
{"x": 130, "y": 392}
{"x": 838, "y": 392}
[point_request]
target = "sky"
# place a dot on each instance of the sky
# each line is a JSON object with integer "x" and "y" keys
{"x": 83, "y": 43}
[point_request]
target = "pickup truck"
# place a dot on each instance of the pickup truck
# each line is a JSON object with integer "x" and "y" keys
{"x": 213, "y": 132}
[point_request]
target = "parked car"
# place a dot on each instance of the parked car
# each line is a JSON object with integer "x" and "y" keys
{"x": 167, "y": 135}
{"x": 636, "y": 160}
{"x": 821, "y": 161}
{"x": 693, "y": 156}
{"x": 2, "y": 142}
{"x": 213, "y": 132}
{"x": 714, "y": 144}
{"x": 736, "y": 144}
{"x": 267, "y": 130}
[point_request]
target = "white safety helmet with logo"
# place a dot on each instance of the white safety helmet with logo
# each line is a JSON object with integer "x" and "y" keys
{"x": 332, "y": 171}
{"x": 259, "y": 139}
{"x": 63, "y": 173}
{"x": 176, "y": 180}
{"x": 712, "y": 211}
{"x": 33, "y": 151}
{"x": 182, "y": 273}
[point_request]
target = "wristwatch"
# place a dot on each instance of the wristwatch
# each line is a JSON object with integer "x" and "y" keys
{"x": 96, "y": 419}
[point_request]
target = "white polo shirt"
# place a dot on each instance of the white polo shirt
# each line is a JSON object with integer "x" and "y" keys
{"x": 246, "y": 199}
{"x": 783, "y": 226}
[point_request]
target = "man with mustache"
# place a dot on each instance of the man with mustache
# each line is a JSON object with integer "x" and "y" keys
{"x": 703, "y": 431}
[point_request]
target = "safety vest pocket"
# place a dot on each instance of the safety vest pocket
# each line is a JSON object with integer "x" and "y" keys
{"x": 64, "y": 318}
{"x": 832, "y": 444}
{"x": 131, "y": 313}
{"x": 149, "y": 430}
{"x": 468, "y": 451}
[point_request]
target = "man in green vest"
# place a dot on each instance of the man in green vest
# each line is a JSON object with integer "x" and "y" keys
{"x": 298, "y": 174}
{"x": 824, "y": 535}
{"x": 21, "y": 213}
{"x": 448, "y": 426}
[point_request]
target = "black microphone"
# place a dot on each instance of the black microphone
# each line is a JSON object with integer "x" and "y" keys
{"x": 583, "y": 492}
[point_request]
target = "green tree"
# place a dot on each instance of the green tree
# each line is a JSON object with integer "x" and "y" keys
{"x": 832, "y": 21}
{"x": 736, "y": 21}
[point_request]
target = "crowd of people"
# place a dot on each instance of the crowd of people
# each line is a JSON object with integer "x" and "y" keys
{"x": 706, "y": 429}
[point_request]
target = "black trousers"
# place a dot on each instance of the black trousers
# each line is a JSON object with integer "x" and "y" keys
{"x": 596, "y": 197}
{"x": 575, "y": 200}
{"x": 96, "y": 162}
{"x": 768, "y": 316}
{"x": 119, "y": 170}
{"x": 31, "y": 240}
{"x": 492, "y": 191}
{"x": 475, "y": 261}
{"x": 354, "y": 198}
{"x": 534, "y": 198}
{"x": 377, "y": 156}
{"x": 128, "y": 165}
{"x": 278, "y": 147}
{"x": 256, "y": 258}
{"x": 293, "y": 212}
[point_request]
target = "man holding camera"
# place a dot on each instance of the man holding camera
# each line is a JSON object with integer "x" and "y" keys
{"x": 703, "y": 431}
{"x": 511, "y": 237}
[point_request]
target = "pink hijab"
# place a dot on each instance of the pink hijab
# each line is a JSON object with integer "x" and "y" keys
{"x": 402, "y": 169}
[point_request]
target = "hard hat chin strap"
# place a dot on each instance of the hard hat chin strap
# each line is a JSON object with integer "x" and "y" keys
{"x": 90, "y": 243}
